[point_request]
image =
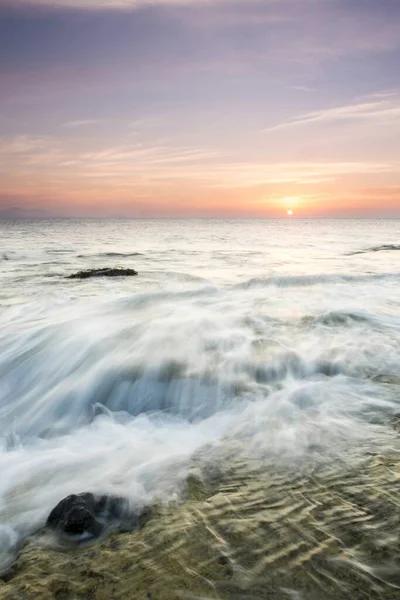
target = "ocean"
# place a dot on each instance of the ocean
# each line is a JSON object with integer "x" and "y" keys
{"x": 251, "y": 342}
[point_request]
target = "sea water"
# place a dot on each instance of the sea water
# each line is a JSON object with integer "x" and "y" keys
{"x": 272, "y": 340}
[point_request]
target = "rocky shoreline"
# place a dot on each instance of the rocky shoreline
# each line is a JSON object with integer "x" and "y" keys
{"x": 330, "y": 533}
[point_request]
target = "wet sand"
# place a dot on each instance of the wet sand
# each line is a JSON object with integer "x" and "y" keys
{"x": 330, "y": 533}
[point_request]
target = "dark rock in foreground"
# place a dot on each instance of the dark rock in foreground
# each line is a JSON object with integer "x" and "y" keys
{"x": 90, "y": 516}
{"x": 107, "y": 272}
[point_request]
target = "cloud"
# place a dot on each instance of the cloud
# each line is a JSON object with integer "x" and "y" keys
{"x": 23, "y": 145}
{"x": 102, "y": 4}
{"x": 382, "y": 110}
{"x": 37, "y": 156}
{"x": 296, "y": 173}
{"x": 391, "y": 93}
{"x": 82, "y": 123}
{"x": 301, "y": 88}
{"x": 158, "y": 164}
{"x": 166, "y": 178}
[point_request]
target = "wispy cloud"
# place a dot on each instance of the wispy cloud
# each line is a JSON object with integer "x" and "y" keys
{"x": 301, "y": 88}
{"x": 157, "y": 163}
{"x": 82, "y": 123}
{"x": 102, "y": 4}
{"x": 26, "y": 154}
{"x": 158, "y": 178}
{"x": 293, "y": 173}
{"x": 382, "y": 110}
{"x": 383, "y": 94}
{"x": 22, "y": 145}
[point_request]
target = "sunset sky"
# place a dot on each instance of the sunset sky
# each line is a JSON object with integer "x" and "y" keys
{"x": 201, "y": 107}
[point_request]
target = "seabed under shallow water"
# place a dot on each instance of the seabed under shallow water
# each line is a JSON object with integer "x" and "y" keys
{"x": 330, "y": 533}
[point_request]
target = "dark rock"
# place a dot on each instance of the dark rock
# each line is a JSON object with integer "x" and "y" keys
{"x": 106, "y": 272}
{"x": 86, "y": 513}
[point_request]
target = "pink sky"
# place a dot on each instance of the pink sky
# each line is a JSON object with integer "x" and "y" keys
{"x": 194, "y": 108}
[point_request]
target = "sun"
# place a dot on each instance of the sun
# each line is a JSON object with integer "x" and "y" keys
{"x": 290, "y": 203}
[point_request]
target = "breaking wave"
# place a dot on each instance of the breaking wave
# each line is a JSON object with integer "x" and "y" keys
{"x": 111, "y": 255}
{"x": 312, "y": 280}
{"x": 382, "y": 248}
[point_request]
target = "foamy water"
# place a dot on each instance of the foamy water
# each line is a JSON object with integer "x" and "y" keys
{"x": 270, "y": 339}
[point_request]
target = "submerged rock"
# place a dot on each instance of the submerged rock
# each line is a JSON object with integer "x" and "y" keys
{"x": 87, "y": 515}
{"x": 105, "y": 272}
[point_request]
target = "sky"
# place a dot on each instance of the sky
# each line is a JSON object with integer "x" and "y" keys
{"x": 192, "y": 108}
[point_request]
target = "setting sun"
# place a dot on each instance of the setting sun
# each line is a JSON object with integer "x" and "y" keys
{"x": 289, "y": 213}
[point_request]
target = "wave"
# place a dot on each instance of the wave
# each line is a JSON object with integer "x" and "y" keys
{"x": 335, "y": 318}
{"x": 171, "y": 388}
{"x": 184, "y": 277}
{"x": 181, "y": 355}
{"x": 283, "y": 281}
{"x": 148, "y": 299}
{"x": 111, "y": 255}
{"x": 382, "y": 248}
{"x": 121, "y": 395}
{"x": 10, "y": 255}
